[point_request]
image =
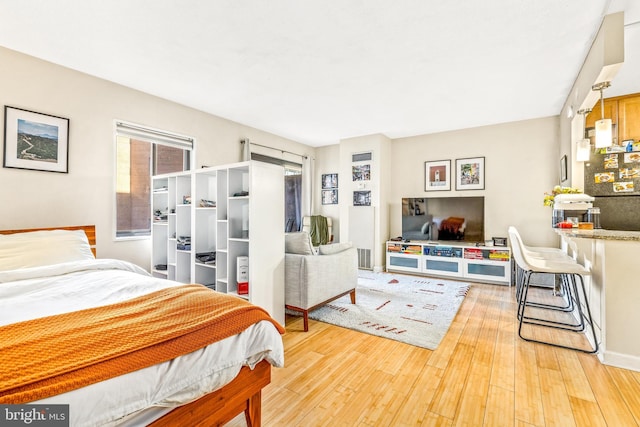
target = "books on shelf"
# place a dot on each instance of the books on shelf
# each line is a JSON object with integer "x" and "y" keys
{"x": 208, "y": 258}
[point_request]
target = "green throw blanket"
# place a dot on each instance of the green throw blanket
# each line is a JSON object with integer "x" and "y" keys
{"x": 319, "y": 230}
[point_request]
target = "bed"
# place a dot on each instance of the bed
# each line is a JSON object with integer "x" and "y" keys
{"x": 188, "y": 355}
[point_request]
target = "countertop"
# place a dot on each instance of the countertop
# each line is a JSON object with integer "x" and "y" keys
{"x": 633, "y": 236}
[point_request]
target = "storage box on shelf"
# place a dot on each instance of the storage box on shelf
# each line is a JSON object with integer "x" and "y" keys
{"x": 208, "y": 225}
{"x": 457, "y": 260}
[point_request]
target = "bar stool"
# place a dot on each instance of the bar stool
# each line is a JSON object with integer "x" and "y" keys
{"x": 571, "y": 273}
{"x": 537, "y": 252}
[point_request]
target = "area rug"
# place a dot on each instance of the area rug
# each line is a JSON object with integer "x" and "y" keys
{"x": 413, "y": 310}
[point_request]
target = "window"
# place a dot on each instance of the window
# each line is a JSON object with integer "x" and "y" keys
{"x": 292, "y": 190}
{"x": 292, "y": 198}
{"x": 141, "y": 153}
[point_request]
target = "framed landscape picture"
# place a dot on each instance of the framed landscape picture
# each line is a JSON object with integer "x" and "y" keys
{"x": 35, "y": 141}
{"x": 470, "y": 173}
{"x": 437, "y": 175}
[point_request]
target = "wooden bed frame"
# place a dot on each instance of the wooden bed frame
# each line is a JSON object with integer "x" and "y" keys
{"x": 242, "y": 394}
{"x": 89, "y": 230}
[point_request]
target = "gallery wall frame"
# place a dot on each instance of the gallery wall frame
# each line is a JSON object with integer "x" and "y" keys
{"x": 361, "y": 172}
{"x": 563, "y": 168}
{"x": 470, "y": 173}
{"x": 35, "y": 141}
{"x": 437, "y": 175}
{"x": 329, "y": 180}
{"x": 330, "y": 196}
{"x": 362, "y": 198}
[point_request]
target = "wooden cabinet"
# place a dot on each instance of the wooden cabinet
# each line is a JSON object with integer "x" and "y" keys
{"x": 629, "y": 118}
{"x": 624, "y": 112}
{"x": 204, "y": 220}
{"x": 610, "y": 112}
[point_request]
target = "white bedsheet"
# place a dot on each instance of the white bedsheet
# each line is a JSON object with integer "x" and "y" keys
{"x": 45, "y": 291}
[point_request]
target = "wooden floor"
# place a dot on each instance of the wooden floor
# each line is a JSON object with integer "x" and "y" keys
{"x": 482, "y": 374}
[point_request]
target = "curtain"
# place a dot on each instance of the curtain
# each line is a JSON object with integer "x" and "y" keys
{"x": 307, "y": 185}
{"x": 293, "y": 202}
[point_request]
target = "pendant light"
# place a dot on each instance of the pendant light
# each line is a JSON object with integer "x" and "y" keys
{"x": 604, "y": 136}
{"x": 583, "y": 149}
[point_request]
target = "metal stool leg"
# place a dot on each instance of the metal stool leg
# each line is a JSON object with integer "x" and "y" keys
{"x": 583, "y": 316}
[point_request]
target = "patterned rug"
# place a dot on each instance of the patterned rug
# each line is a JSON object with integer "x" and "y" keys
{"x": 411, "y": 309}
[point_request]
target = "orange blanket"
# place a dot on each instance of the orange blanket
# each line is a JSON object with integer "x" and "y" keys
{"x": 53, "y": 355}
{"x": 452, "y": 224}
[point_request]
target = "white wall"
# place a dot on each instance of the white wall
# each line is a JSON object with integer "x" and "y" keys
{"x": 521, "y": 163}
{"x": 328, "y": 161}
{"x": 379, "y": 145}
{"x": 522, "y": 159}
{"x": 86, "y": 194}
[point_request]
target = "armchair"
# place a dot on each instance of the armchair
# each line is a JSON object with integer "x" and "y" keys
{"x": 314, "y": 279}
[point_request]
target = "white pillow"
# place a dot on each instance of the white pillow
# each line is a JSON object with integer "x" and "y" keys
{"x": 334, "y": 248}
{"x": 39, "y": 248}
{"x": 425, "y": 228}
{"x": 298, "y": 243}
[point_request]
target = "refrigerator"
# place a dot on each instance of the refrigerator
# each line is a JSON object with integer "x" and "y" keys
{"x": 613, "y": 179}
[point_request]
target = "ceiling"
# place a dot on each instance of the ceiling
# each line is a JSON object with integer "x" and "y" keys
{"x": 320, "y": 71}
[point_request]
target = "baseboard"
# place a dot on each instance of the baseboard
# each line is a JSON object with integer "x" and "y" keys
{"x": 620, "y": 360}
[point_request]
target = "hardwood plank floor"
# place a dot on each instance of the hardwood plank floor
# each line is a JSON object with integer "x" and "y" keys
{"x": 482, "y": 374}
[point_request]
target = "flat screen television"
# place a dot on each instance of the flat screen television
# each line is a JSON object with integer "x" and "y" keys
{"x": 443, "y": 218}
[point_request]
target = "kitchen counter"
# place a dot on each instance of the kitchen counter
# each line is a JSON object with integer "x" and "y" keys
{"x": 612, "y": 289}
{"x": 633, "y": 236}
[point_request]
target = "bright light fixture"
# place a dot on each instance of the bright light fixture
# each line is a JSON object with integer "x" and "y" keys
{"x": 583, "y": 150}
{"x": 604, "y": 137}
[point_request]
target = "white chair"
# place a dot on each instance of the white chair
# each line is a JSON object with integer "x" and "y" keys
{"x": 535, "y": 252}
{"x": 571, "y": 273}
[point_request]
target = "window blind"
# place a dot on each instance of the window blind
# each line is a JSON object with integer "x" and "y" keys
{"x": 143, "y": 133}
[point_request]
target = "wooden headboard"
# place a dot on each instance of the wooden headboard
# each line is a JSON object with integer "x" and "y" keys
{"x": 89, "y": 230}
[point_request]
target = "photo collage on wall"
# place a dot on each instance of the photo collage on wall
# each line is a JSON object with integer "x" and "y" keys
{"x": 620, "y": 171}
{"x": 361, "y": 173}
{"x": 330, "y": 189}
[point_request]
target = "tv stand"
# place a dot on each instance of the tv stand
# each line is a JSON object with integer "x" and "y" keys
{"x": 454, "y": 259}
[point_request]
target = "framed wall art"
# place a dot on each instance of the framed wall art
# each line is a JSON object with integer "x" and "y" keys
{"x": 35, "y": 141}
{"x": 330, "y": 197}
{"x": 361, "y": 172}
{"x": 362, "y": 198}
{"x": 563, "y": 168}
{"x": 329, "y": 180}
{"x": 470, "y": 173}
{"x": 437, "y": 175}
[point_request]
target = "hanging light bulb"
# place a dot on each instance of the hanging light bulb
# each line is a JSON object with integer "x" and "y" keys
{"x": 604, "y": 137}
{"x": 583, "y": 149}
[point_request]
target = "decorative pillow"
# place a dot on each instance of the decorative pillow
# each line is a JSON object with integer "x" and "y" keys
{"x": 425, "y": 228}
{"x": 334, "y": 248}
{"x": 39, "y": 248}
{"x": 298, "y": 243}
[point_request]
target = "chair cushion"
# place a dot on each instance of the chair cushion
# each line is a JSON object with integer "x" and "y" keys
{"x": 425, "y": 228}
{"x": 333, "y": 249}
{"x": 298, "y": 243}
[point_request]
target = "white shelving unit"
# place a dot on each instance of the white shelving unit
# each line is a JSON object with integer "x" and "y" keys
{"x": 241, "y": 214}
{"x": 451, "y": 259}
